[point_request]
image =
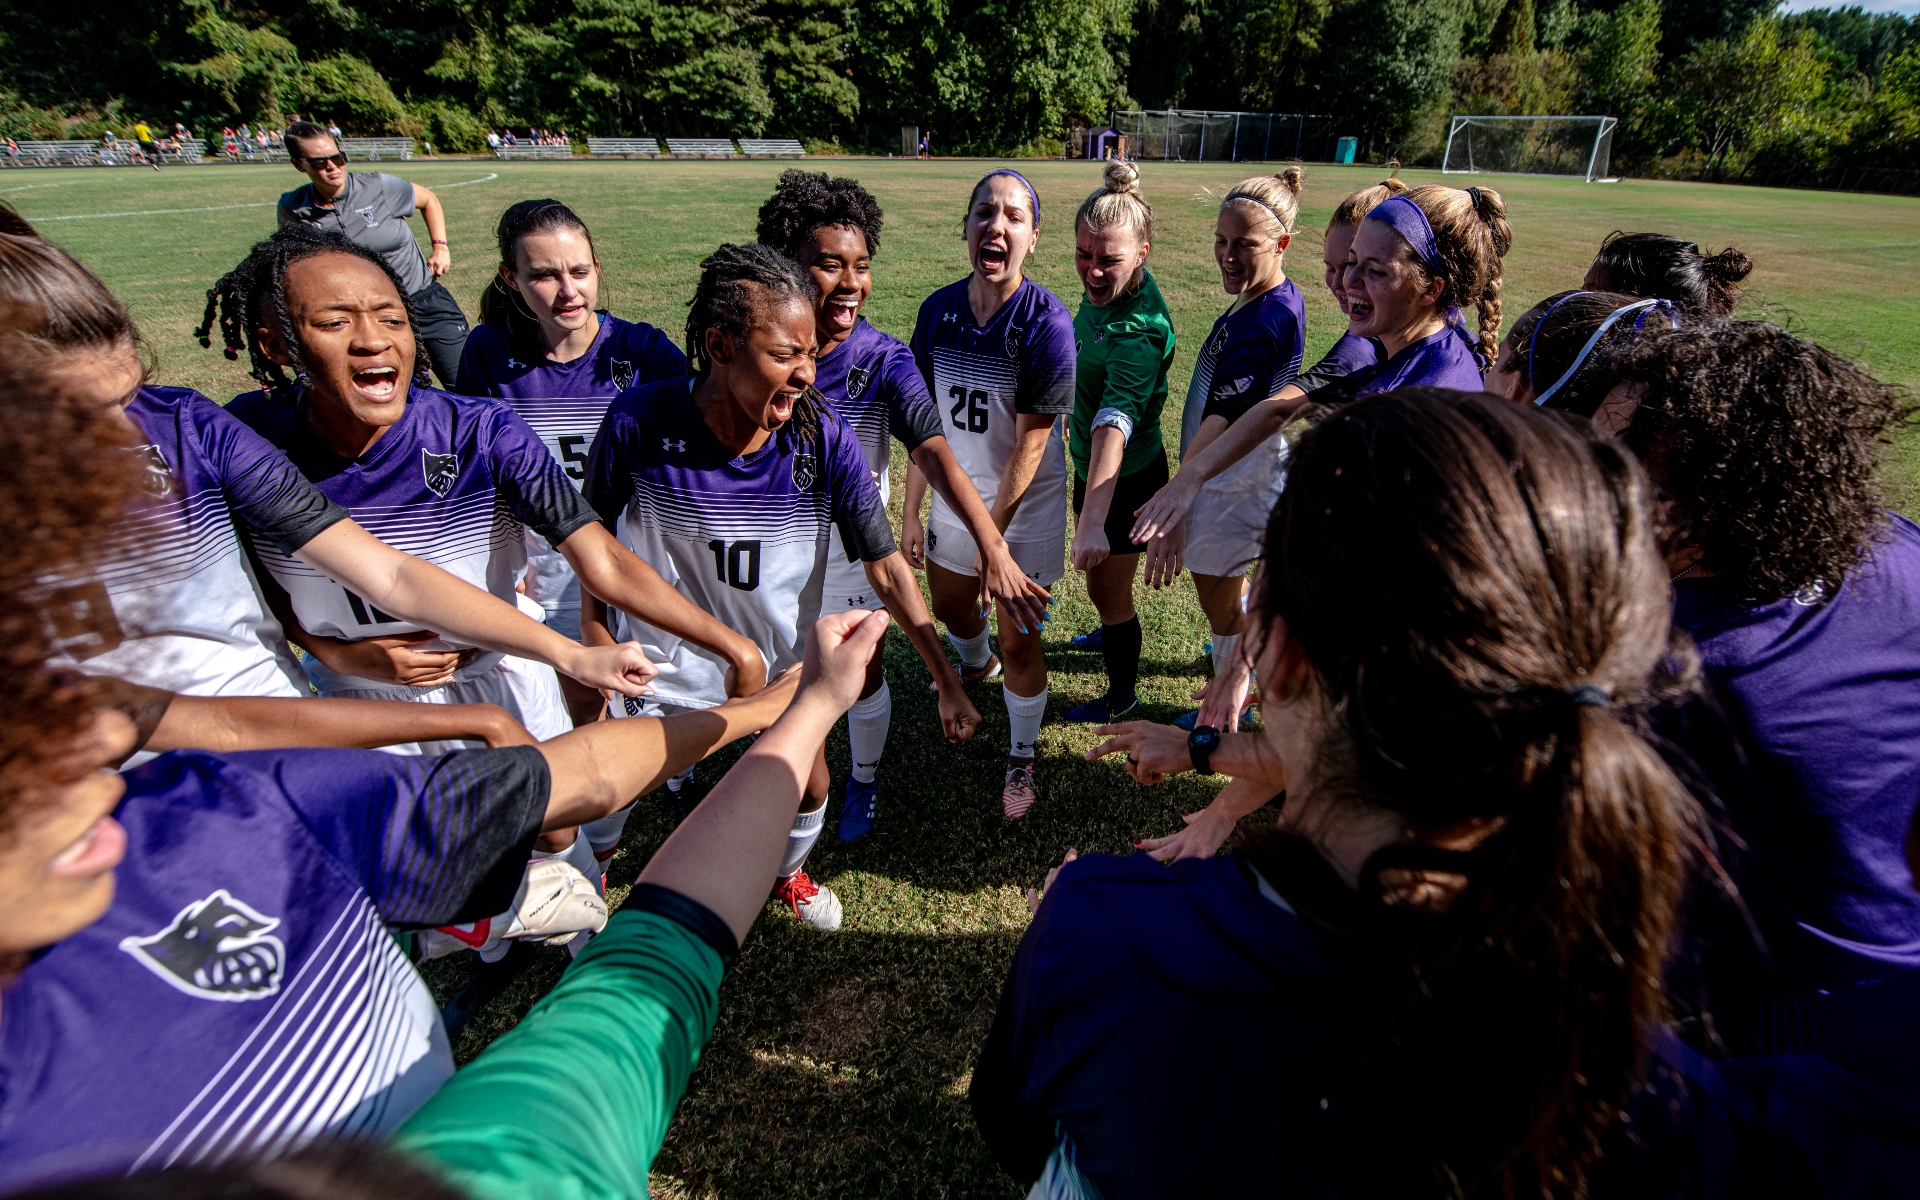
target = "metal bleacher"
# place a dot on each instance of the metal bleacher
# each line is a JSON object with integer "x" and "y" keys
{"x": 91, "y": 152}
{"x": 701, "y": 148}
{"x": 526, "y": 151}
{"x": 376, "y": 149}
{"x": 623, "y": 147}
{"x": 771, "y": 148}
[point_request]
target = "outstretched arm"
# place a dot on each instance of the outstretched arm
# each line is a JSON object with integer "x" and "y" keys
{"x": 1170, "y": 504}
{"x": 227, "y": 723}
{"x": 1033, "y": 430}
{"x": 893, "y": 581}
{"x": 1000, "y": 577}
{"x": 913, "y": 532}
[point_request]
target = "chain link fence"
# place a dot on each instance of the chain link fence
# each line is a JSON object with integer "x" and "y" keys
{"x": 1189, "y": 135}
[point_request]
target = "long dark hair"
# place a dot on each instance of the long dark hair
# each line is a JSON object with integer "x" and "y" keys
{"x": 735, "y": 281}
{"x": 500, "y": 304}
{"x": 1657, "y": 264}
{"x": 1477, "y": 592}
{"x": 1549, "y": 338}
{"x": 253, "y": 296}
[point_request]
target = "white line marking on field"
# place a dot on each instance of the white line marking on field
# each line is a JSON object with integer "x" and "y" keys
{"x": 30, "y": 187}
{"x": 1880, "y": 245}
{"x": 162, "y": 212}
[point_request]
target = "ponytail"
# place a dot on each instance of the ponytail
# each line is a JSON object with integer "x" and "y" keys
{"x": 1472, "y": 236}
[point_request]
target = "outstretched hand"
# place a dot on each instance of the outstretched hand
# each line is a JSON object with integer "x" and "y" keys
{"x": 1167, "y": 508}
{"x": 837, "y": 654}
{"x": 1206, "y": 831}
{"x": 1166, "y": 554}
{"x": 622, "y": 668}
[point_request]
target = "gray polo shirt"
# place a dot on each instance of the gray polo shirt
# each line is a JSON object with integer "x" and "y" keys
{"x": 373, "y": 211}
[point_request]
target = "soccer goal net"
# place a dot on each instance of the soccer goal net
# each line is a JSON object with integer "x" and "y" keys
{"x": 1581, "y": 146}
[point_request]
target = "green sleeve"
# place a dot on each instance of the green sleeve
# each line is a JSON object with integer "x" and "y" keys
{"x": 1136, "y": 360}
{"x": 575, "y": 1100}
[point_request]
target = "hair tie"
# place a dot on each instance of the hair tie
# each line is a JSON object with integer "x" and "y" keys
{"x": 1581, "y": 358}
{"x": 1588, "y": 695}
{"x": 1473, "y": 193}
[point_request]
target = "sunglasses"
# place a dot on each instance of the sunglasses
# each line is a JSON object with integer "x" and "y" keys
{"x": 316, "y": 161}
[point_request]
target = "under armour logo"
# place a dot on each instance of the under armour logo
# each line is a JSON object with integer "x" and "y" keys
{"x": 679, "y": 446}
{"x": 950, "y": 318}
{"x": 514, "y": 364}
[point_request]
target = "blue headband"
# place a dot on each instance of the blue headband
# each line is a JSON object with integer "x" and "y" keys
{"x": 1581, "y": 358}
{"x": 1404, "y": 217}
{"x": 1031, "y": 194}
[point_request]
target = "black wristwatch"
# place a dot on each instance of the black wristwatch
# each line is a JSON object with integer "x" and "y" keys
{"x": 1201, "y": 744}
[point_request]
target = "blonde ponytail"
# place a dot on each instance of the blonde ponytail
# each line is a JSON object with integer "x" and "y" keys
{"x": 1118, "y": 202}
{"x": 1274, "y": 197}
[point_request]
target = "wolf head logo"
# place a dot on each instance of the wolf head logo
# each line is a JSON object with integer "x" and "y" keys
{"x": 804, "y": 472}
{"x": 857, "y": 380}
{"x": 366, "y": 214}
{"x": 156, "y": 479}
{"x": 440, "y": 470}
{"x": 1218, "y": 345}
{"x": 622, "y": 374}
{"x": 215, "y": 949}
{"x": 1016, "y": 338}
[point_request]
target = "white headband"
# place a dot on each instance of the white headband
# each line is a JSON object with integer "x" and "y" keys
{"x": 1593, "y": 341}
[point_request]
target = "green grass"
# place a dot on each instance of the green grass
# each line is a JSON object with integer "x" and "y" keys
{"x": 840, "y": 1065}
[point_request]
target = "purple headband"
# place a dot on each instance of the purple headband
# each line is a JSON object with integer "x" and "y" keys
{"x": 1404, "y": 217}
{"x": 1033, "y": 195}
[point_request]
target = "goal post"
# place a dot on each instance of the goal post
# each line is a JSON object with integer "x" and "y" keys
{"x": 1581, "y": 147}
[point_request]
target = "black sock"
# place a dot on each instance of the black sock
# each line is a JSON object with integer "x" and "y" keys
{"x": 1120, "y": 646}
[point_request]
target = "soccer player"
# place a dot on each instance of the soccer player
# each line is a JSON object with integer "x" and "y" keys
{"x": 545, "y": 347}
{"x": 729, "y": 483}
{"x": 1557, "y": 353}
{"x": 831, "y": 227}
{"x": 1706, "y": 287}
{"x": 372, "y": 209}
{"x": 996, "y": 349}
{"x": 1125, "y": 339}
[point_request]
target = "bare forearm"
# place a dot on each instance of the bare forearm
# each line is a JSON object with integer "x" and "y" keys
{"x": 1021, "y": 469}
{"x": 1249, "y": 756}
{"x": 893, "y": 581}
{"x": 937, "y": 466}
{"x": 600, "y": 768}
{"x": 1258, "y": 424}
{"x": 426, "y": 595}
{"x": 261, "y": 723}
{"x": 1103, "y": 472}
{"x": 431, "y": 212}
{"x": 916, "y": 495}
{"x": 621, "y": 578}
{"x": 1241, "y": 798}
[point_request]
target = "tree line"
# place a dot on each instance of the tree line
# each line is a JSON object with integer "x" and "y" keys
{"x": 1715, "y": 88}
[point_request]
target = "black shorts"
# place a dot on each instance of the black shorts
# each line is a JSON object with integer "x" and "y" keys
{"x": 1129, "y": 492}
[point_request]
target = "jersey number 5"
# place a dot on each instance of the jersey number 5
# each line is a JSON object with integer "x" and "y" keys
{"x": 970, "y": 405}
{"x": 738, "y": 565}
{"x": 572, "y": 460}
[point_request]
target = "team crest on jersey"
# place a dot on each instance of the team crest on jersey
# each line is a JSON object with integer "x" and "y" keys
{"x": 1219, "y": 344}
{"x": 366, "y": 214}
{"x": 857, "y": 380}
{"x": 156, "y": 479}
{"x": 805, "y": 470}
{"x": 1016, "y": 337}
{"x": 622, "y": 374}
{"x": 440, "y": 469}
{"x": 216, "y": 949}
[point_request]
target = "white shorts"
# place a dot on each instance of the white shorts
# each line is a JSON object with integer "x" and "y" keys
{"x": 847, "y": 588}
{"x": 1228, "y": 520}
{"x": 954, "y": 548}
{"x": 528, "y": 690}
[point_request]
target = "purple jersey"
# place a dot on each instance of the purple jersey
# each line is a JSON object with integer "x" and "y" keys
{"x": 1444, "y": 359}
{"x": 243, "y": 990}
{"x": 453, "y": 481}
{"x": 188, "y": 613}
{"x": 985, "y": 376}
{"x": 564, "y": 403}
{"x": 1252, "y": 352}
{"x": 1824, "y": 693}
{"x": 742, "y": 536}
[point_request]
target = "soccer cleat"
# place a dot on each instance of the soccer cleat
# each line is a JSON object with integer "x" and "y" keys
{"x": 813, "y": 904}
{"x": 1187, "y": 720}
{"x": 972, "y": 675}
{"x": 862, "y": 806}
{"x": 1095, "y": 641}
{"x": 554, "y": 904}
{"x": 1101, "y": 710}
{"x": 687, "y": 798}
{"x": 1019, "y": 792}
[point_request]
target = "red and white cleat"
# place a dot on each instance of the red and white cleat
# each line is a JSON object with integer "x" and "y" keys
{"x": 813, "y": 904}
{"x": 1019, "y": 792}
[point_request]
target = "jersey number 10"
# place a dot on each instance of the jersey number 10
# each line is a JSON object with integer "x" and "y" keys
{"x": 738, "y": 565}
{"x": 970, "y": 405}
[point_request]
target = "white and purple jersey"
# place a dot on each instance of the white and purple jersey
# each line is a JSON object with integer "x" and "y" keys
{"x": 243, "y": 991}
{"x": 1252, "y": 352}
{"x": 564, "y": 404}
{"x": 744, "y": 537}
{"x": 453, "y": 481}
{"x": 872, "y": 381}
{"x": 985, "y": 376}
{"x": 187, "y": 612}
{"x": 1444, "y": 359}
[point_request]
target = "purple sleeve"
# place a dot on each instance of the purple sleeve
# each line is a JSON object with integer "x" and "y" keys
{"x": 1254, "y": 368}
{"x": 475, "y": 377}
{"x": 660, "y": 358}
{"x": 917, "y": 346}
{"x": 268, "y": 494}
{"x": 609, "y": 483}
{"x": 536, "y": 487}
{"x": 912, "y": 416}
{"x": 1047, "y": 359}
{"x": 434, "y": 841}
{"x": 853, "y": 498}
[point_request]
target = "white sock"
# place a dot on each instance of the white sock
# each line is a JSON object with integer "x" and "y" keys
{"x": 800, "y": 839}
{"x": 679, "y": 781}
{"x": 1024, "y": 714}
{"x": 974, "y": 651}
{"x": 1223, "y": 646}
{"x": 604, "y": 834}
{"x": 867, "y": 723}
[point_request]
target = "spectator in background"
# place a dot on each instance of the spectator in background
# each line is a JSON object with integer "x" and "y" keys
{"x": 333, "y": 130}
{"x": 148, "y": 149}
{"x": 376, "y": 207}
{"x": 493, "y": 141}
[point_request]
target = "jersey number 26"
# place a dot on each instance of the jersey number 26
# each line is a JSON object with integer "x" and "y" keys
{"x": 969, "y": 411}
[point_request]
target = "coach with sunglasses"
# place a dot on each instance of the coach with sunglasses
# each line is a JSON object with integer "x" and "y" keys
{"x": 372, "y": 208}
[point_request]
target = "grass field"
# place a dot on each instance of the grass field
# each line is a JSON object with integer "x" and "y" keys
{"x": 841, "y": 1062}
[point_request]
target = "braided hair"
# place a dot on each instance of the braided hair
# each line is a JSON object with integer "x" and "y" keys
{"x": 254, "y": 293}
{"x": 804, "y": 201}
{"x": 735, "y": 282}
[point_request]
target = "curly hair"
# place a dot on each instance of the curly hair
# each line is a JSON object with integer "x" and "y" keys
{"x": 1769, "y": 447}
{"x": 735, "y": 283}
{"x": 253, "y": 296}
{"x": 804, "y": 201}
{"x": 1671, "y": 268}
